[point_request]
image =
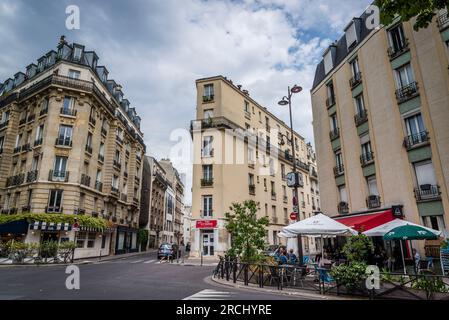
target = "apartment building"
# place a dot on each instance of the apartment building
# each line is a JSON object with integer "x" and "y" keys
{"x": 71, "y": 143}
{"x": 241, "y": 152}
{"x": 380, "y": 103}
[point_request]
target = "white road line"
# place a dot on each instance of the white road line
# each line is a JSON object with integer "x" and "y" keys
{"x": 209, "y": 295}
{"x": 137, "y": 261}
{"x": 150, "y": 261}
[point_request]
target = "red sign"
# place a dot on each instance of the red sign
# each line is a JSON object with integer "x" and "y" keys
{"x": 75, "y": 226}
{"x": 206, "y": 224}
{"x": 293, "y": 216}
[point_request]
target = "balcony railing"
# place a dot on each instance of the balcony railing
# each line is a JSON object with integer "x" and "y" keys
{"x": 99, "y": 186}
{"x": 26, "y": 147}
{"x": 252, "y": 189}
{"x": 207, "y": 182}
{"x": 114, "y": 190}
{"x": 407, "y": 92}
{"x": 427, "y": 192}
{"x": 117, "y": 164}
{"x": 343, "y": 207}
{"x": 32, "y": 176}
{"x": 15, "y": 180}
{"x": 22, "y": 121}
{"x": 31, "y": 117}
{"x": 361, "y": 117}
{"x": 373, "y": 201}
{"x": 53, "y": 209}
{"x": 80, "y": 211}
{"x": 68, "y": 112}
{"x": 43, "y": 111}
{"x": 416, "y": 139}
{"x": 334, "y": 134}
{"x": 65, "y": 142}
{"x": 355, "y": 80}
{"x": 104, "y": 131}
{"x": 330, "y": 101}
{"x": 88, "y": 149}
{"x": 366, "y": 158}
{"x": 38, "y": 142}
{"x": 85, "y": 180}
{"x": 208, "y": 98}
{"x": 17, "y": 149}
{"x": 124, "y": 197}
{"x": 443, "y": 20}
{"x": 26, "y": 209}
{"x": 119, "y": 139}
{"x": 395, "y": 51}
{"x": 101, "y": 157}
{"x": 339, "y": 170}
{"x": 62, "y": 176}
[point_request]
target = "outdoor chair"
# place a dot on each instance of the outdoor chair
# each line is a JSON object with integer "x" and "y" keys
{"x": 274, "y": 275}
{"x": 325, "y": 277}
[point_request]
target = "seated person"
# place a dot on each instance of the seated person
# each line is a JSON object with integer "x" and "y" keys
{"x": 292, "y": 257}
{"x": 283, "y": 258}
{"x": 324, "y": 262}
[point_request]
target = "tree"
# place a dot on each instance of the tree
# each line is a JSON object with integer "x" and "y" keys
{"x": 358, "y": 248}
{"x": 247, "y": 231}
{"x": 423, "y": 10}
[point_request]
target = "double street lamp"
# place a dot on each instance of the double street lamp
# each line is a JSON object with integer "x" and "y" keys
{"x": 287, "y": 100}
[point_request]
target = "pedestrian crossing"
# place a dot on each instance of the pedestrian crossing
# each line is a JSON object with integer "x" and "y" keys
{"x": 138, "y": 261}
{"x": 208, "y": 294}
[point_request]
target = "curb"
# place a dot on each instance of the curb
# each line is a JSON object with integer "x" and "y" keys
{"x": 285, "y": 292}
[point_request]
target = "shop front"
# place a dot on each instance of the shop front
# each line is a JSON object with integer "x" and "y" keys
{"x": 208, "y": 238}
{"x": 14, "y": 230}
{"x": 126, "y": 240}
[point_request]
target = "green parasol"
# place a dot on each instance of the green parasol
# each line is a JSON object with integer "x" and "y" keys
{"x": 410, "y": 232}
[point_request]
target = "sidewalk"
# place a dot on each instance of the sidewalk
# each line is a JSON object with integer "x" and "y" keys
{"x": 286, "y": 291}
{"x": 207, "y": 262}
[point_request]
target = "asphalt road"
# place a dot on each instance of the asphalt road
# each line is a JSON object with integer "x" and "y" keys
{"x": 134, "y": 278}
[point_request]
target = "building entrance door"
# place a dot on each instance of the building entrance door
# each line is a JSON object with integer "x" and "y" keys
{"x": 208, "y": 242}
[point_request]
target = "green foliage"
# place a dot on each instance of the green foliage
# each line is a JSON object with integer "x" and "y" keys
{"x": 351, "y": 276}
{"x": 247, "y": 231}
{"x": 142, "y": 236}
{"x": 18, "y": 251}
{"x": 445, "y": 244}
{"x": 423, "y": 10}
{"x": 430, "y": 285}
{"x": 48, "y": 249}
{"x": 358, "y": 248}
{"x": 83, "y": 220}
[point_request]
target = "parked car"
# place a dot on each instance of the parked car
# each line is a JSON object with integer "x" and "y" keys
{"x": 166, "y": 249}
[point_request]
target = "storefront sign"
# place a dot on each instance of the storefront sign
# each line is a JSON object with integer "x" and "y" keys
{"x": 206, "y": 224}
{"x": 397, "y": 211}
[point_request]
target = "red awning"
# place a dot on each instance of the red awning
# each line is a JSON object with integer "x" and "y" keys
{"x": 366, "y": 221}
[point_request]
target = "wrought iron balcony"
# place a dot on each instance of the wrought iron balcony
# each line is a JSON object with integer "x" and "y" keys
{"x": 85, "y": 180}
{"x": 395, "y": 51}
{"x": 43, "y": 111}
{"x": 17, "y": 149}
{"x": 416, "y": 139}
{"x": 32, "y": 176}
{"x": 343, "y": 207}
{"x": 208, "y": 98}
{"x": 252, "y": 189}
{"x": 15, "y": 180}
{"x": 355, "y": 80}
{"x": 339, "y": 170}
{"x": 38, "y": 142}
{"x": 26, "y": 147}
{"x": 426, "y": 192}
{"x": 361, "y": 117}
{"x": 366, "y": 158}
{"x": 80, "y": 211}
{"x": 334, "y": 134}
{"x": 68, "y": 112}
{"x": 443, "y": 20}
{"x": 64, "y": 142}
{"x": 53, "y": 209}
{"x": 22, "y": 121}
{"x": 62, "y": 176}
{"x": 26, "y": 209}
{"x": 373, "y": 201}
{"x": 207, "y": 182}
{"x": 31, "y": 117}
{"x": 407, "y": 92}
{"x": 117, "y": 164}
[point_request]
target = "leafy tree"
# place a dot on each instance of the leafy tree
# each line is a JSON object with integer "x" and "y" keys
{"x": 423, "y": 10}
{"x": 247, "y": 231}
{"x": 358, "y": 248}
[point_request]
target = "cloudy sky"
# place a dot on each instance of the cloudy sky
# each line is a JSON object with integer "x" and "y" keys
{"x": 157, "y": 48}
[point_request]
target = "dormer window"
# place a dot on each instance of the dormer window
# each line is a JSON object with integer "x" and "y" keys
{"x": 41, "y": 64}
{"x": 77, "y": 52}
{"x": 328, "y": 61}
{"x": 351, "y": 36}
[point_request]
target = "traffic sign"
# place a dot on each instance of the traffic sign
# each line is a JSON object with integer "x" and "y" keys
{"x": 296, "y": 209}
{"x": 293, "y": 216}
{"x": 76, "y": 227}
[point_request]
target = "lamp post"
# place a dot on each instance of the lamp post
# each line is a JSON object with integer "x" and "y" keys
{"x": 287, "y": 100}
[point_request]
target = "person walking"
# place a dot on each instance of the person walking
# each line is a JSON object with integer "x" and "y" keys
{"x": 182, "y": 251}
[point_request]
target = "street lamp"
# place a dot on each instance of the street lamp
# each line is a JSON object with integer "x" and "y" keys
{"x": 287, "y": 100}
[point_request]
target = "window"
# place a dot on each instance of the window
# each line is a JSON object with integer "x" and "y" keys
{"x": 29, "y": 197}
{"x": 35, "y": 163}
{"x": 351, "y": 35}
{"x": 273, "y": 211}
{"x": 74, "y": 74}
{"x": 330, "y": 94}
{"x": 251, "y": 159}
{"x": 60, "y": 166}
{"x": 342, "y": 194}
{"x": 89, "y": 140}
{"x": 207, "y": 172}
{"x": 18, "y": 140}
{"x": 101, "y": 150}
{"x": 434, "y": 222}
{"x": 283, "y": 171}
{"x": 359, "y": 104}
{"x": 209, "y": 113}
{"x": 339, "y": 161}
{"x": 250, "y": 179}
{"x": 91, "y": 239}
{"x": 334, "y": 122}
{"x": 328, "y": 61}
{"x": 65, "y": 135}
{"x": 2, "y": 142}
{"x": 207, "y": 146}
{"x": 355, "y": 69}
{"x": 115, "y": 182}
{"x": 404, "y": 76}
{"x": 284, "y": 191}
{"x": 117, "y": 156}
{"x": 39, "y": 132}
{"x": 68, "y": 103}
{"x": 44, "y": 105}
{"x": 81, "y": 239}
{"x": 77, "y": 53}
{"x": 246, "y": 107}
{"x": 414, "y": 124}
{"x": 209, "y": 91}
{"x": 207, "y": 206}
{"x": 5, "y": 116}
{"x": 273, "y": 189}
{"x": 397, "y": 38}
{"x": 266, "y": 210}
{"x": 366, "y": 148}
{"x": 372, "y": 186}
{"x": 425, "y": 173}
{"x": 98, "y": 177}
{"x": 55, "y": 201}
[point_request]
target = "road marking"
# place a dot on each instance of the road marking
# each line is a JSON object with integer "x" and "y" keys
{"x": 150, "y": 261}
{"x": 209, "y": 295}
{"x": 137, "y": 261}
